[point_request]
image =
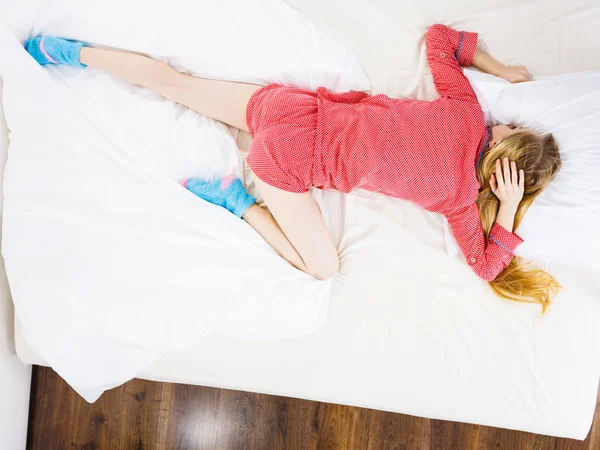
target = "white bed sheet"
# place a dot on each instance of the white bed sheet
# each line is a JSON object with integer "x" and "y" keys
{"x": 410, "y": 329}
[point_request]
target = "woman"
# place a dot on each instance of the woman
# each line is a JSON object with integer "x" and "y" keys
{"x": 439, "y": 155}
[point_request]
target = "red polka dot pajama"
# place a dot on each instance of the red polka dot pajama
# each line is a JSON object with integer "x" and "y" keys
{"x": 421, "y": 151}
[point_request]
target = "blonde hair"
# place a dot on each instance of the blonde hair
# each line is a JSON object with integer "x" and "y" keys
{"x": 539, "y": 157}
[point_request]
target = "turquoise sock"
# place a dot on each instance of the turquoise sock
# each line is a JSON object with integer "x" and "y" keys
{"x": 228, "y": 192}
{"x": 52, "y": 50}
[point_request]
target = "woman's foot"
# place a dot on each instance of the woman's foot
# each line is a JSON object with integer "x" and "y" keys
{"x": 52, "y": 50}
{"x": 228, "y": 192}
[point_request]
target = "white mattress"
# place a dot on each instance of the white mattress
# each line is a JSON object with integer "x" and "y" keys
{"x": 449, "y": 352}
{"x": 409, "y": 328}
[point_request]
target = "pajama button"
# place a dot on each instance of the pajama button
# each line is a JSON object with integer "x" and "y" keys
{"x": 443, "y": 55}
{"x": 473, "y": 260}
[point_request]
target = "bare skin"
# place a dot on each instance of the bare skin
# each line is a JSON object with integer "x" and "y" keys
{"x": 499, "y": 131}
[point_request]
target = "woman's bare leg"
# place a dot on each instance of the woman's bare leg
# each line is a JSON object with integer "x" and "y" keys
{"x": 295, "y": 229}
{"x": 265, "y": 224}
{"x": 224, "y": 101}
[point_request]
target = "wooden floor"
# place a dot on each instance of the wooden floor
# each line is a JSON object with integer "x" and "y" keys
{"x": 143, "y": 415}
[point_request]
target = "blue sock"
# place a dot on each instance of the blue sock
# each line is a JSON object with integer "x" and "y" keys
{"x": 52, "y": 50}
{"x": 228, "y": 192}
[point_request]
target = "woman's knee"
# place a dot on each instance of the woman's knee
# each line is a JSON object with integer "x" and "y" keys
{"x": 325, "y": 269}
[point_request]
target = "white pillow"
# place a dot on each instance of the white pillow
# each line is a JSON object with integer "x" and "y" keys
{"x": 561, "y": 225}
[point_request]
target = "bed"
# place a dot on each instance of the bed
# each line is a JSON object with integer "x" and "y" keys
{"x": 404, "y": 327}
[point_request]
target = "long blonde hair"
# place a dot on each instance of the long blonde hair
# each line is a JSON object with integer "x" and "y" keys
{"x": 539, "y": 157}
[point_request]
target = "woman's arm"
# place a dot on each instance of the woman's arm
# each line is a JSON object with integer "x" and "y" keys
{"x": 506, "y": 216}
{"x": 447, "y": 50}
{"x": 508, "y": 184}
{"x": 487, "y": 64}
{"x": 487, "y": 257}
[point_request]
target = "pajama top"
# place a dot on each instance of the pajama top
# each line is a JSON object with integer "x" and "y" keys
{"x": 421, "y": 151}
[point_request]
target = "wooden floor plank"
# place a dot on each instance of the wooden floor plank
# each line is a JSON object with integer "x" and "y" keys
{"x": 343, "y": 427}
{"x": 144, "y": 415}
{"x": 455, "y": 435}
{"x": 193, "y": 417}
{"x": 409, "y": 431}
{"x": 304, "y": 418}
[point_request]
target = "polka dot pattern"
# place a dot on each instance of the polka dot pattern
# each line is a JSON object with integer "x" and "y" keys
{"x": 421, "y": 151}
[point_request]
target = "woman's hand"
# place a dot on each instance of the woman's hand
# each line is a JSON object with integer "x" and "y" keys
{"x": 508, "y": 184}
{"x": 515, "y": 74}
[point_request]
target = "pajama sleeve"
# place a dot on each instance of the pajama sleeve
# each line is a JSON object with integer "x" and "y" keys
{"x": 447, "y": 50}
{"x": 486, "y": 257}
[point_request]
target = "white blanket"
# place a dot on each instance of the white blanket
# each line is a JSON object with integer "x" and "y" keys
{"x": 110, "y": 260}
